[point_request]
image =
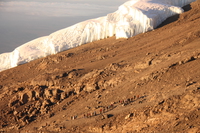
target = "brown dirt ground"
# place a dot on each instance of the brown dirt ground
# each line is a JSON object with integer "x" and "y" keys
{"x": 161, "y": 66}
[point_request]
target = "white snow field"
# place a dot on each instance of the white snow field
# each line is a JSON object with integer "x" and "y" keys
{"x": 132, "y": 18}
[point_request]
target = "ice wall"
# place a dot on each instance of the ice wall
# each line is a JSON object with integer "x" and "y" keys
{"x": 131, "y": 18}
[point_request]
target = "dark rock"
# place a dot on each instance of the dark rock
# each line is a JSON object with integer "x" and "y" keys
{"x": 109, "y": 115}
{"x": 24, "y": 98}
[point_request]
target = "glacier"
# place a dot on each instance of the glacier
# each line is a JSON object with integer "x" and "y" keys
{"x": 132, "y": 18}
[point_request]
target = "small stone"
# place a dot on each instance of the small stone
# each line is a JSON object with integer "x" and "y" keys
{"x": 98, "y": 96}
{"x": 180, "y": 62}
{"x": 87, "y": 107}
{"x": 103, "y": 117}
{"x": 40, "y": 128}
{"x": 15, "y": 112}
{"x": 128, "y": 116}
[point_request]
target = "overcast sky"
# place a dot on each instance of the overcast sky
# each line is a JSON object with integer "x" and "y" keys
{"x": 24, "y": 20}
{"x": 60, "y": 7}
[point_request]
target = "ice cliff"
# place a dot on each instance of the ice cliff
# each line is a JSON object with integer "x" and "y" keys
{"x": 131, "y": 18}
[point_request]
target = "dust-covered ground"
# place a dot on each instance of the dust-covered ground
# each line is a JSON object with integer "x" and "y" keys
{"x": 147, "y": 83}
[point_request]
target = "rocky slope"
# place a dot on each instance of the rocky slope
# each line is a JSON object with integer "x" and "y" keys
{"x": 148, "y": 83}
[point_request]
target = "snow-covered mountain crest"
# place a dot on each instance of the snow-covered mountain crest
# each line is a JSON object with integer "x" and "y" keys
{"x": 132, "y": 18}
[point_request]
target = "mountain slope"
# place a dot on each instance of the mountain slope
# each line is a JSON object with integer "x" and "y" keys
{"x": 147, "y": 83}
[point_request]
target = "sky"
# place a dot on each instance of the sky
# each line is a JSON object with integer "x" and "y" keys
{"x": 22, "y": 21}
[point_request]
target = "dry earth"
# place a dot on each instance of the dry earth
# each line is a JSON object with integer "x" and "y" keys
{"x": 147, "y": 83}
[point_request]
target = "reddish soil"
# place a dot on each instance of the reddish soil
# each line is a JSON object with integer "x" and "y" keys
{"x": 147, "y": 83}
